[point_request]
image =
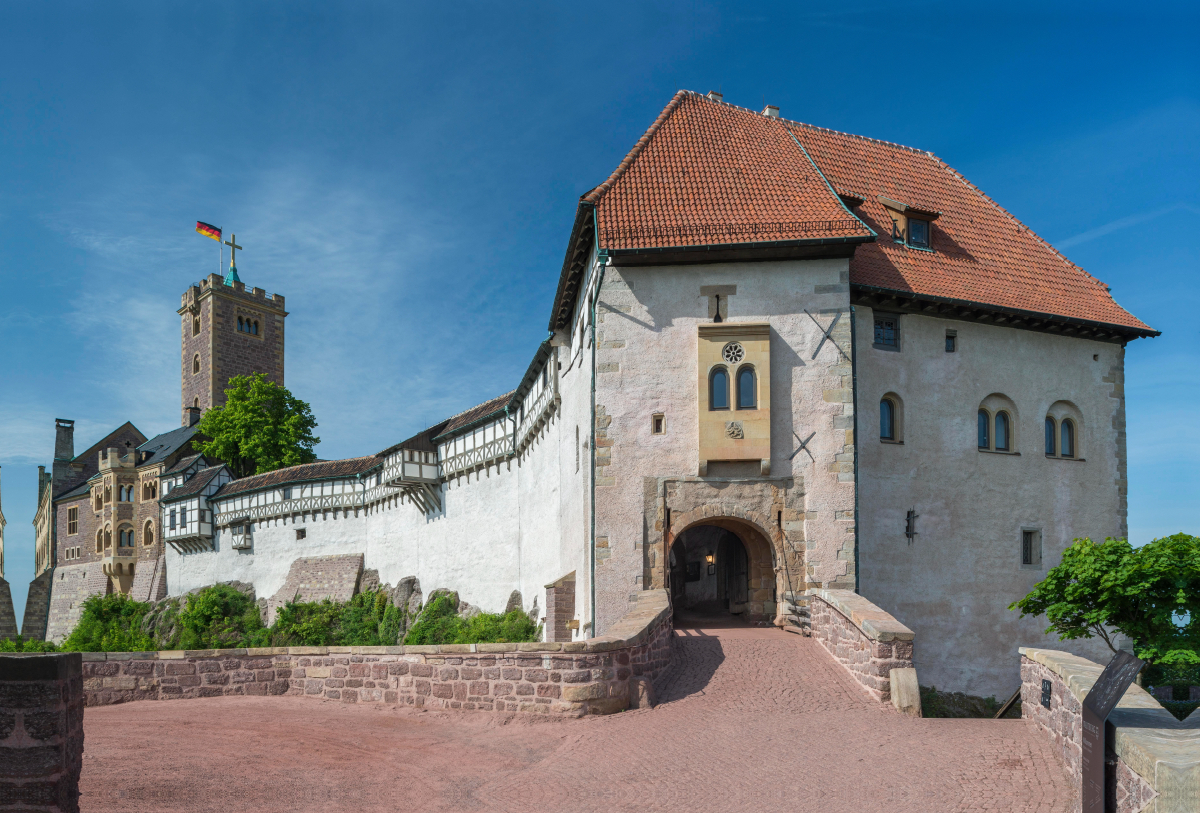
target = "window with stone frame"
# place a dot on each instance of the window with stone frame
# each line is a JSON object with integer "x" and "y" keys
{"x": 1031, "y": 547}
{"x": 196, "y": 325}
{"x": 195, "y": 364}
{"x": 72, "y": 521}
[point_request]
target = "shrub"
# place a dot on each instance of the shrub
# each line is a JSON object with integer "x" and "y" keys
{"x": 217, "y": 617}
{"x": 111, "y": 623}
{"x": 19, "y": 644}
{"x": 439, "y": 623}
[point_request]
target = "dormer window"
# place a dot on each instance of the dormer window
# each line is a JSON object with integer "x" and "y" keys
{"x": 918, "y": 233}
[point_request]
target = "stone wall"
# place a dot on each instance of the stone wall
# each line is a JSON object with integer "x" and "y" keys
{"x": 1155, "y": 763}
{"x": 862, "y": 637}
{"x": 570, "y": 679}
{"x": 560, "y": 608}
{"x": 41, "y": 731}
{"x": 72, "y": 585}
{"x": 37, "y": 606}
{"x": 8, "y": 617}
{"x": 314, "y": 578}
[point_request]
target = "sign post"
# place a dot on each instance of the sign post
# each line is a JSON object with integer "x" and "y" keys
{"x": 1100, "y": 701}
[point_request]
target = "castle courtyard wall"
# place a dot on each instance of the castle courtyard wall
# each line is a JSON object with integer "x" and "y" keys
{"x": 953, "y": 583}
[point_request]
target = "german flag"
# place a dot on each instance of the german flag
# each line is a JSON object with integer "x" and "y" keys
{"x": 208, "y": 231}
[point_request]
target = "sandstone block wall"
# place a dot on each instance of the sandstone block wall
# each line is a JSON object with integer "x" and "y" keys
{"x": 862, "y": 637}
{"x": 70, "y": 585}
{"x": 37, "y": 607}
{"x": 1155, "y": 762}
{"x": 571, "y": 679}
{"x": 560, "y": 608}
{"x": 8, "y": 617}
{"x": 41, "y": 731}
{"x": 318, "y": 577}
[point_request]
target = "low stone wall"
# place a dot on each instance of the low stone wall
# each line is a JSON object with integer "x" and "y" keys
{"x": 866, "y": 640}
{"x": 41, "y": 731}
{"x": 1155, "y": 766}
{"x": 573, "y": 679}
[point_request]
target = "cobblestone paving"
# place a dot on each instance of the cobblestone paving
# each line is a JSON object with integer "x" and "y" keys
{"x": 748, "y": 719}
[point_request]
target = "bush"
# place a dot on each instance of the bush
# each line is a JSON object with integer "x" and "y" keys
{"x": 19, "y": 644}
{"x": 110, "y": 623}
{"x": 439, "y": 623}
{"x": 217, "y": 617}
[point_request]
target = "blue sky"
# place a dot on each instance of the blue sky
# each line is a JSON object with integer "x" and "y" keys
{"x": 407, "y": 176}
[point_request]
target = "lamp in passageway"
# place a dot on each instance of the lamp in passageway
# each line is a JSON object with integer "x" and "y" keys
{"x": 709, "y": 558}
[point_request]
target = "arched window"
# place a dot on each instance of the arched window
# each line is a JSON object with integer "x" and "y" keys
{"x": 196, "y": 402}
{"x": 1067, "y": 446}
{"x": 196, "y": 364}
{"x": 718, "y": 389}
{"x": 107, "y": 494}
{"x": 1002, "y": 431}
{"x": 99, "y": 500}
{"x": 887, "y": 419}
{"x": 99, "y": 541}
{"x": 255, "y": 327}
{"x": 195, "y": 325}
{"x": 107, "y": 538}
{"x": 747, "y": 389}
{"x": 148, "y": 533}
{"x": 1050, "y": 437}
{"x": 241, "y": 324}
{"x": 983, "y": 430}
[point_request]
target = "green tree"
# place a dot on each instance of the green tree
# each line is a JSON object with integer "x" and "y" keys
{"x": 1150, "y": 594}
{"x": 218, "y": 617}
{"x": 262, "y": 427}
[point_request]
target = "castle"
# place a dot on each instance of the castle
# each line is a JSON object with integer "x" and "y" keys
{"x": 779, "y": 357}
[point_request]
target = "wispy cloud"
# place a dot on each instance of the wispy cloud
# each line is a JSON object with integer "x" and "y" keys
{"x": 1123, "y": 223}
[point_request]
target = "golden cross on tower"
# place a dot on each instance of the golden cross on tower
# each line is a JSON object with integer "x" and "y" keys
{"x": 233, "y": 250}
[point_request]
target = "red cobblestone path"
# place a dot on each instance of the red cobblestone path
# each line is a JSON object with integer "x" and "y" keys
{"x": 748, "y": 720}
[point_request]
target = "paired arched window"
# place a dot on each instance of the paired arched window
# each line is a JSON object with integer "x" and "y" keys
{"x": 247, "y": 326}
{"x": 125, "y": 539}
{"x": 718, "y": 389}
{"x": 148, "y": 533}
{"x": 747, "y": 389}
{"x": 887, "y": 419}
{"x": 996, "y": 424}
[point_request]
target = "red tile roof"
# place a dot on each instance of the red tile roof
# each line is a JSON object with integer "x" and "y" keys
{"x": 477, "y": 414}
{"x": 325, "y": 469}
{"x": 707, "y": 173}
{"x": 981, "y": 253}
{"x": 710, "y": 173}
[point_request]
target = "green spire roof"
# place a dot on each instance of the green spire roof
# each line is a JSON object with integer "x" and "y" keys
{"x": 232, "y": 276}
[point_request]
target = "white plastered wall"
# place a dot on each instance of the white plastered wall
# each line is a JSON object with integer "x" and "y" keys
{"x": 647, "y": 333}
{"x": 952, "y": 585}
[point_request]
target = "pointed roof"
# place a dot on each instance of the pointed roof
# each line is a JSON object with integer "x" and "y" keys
{"x": 709, "y": 173}
{"x": 730, "y": 181}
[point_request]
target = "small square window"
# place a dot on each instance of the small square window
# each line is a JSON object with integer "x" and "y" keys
{"x": 1031, "y": 547}
{"x": 658, "y": 424}
{"x": 951, "y": 341}
{"x": 887, "y": 331}
{"x": 918, "y": 233}
{"x": 301, "y": 533}
{"x": 287, "y": 492}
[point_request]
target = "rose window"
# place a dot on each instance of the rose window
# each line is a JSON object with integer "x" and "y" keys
{"x": 733, "y": 353}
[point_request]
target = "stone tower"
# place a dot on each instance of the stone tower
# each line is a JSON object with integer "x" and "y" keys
{"x": 226, "y": 329}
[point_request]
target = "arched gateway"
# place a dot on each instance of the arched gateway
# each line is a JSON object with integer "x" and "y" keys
{"x": 722, "y": 558}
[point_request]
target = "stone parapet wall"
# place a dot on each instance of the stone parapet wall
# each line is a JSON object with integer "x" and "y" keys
{"x": 41, "y": 731}
{"x": 570, "y": 679}
{"x": 863, "y": 638}
{"x": 1156, "y": 758}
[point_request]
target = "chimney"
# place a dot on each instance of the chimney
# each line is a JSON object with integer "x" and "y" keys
{"x": 771, "y": 111}
{"x": 64, "y": 451}
{"x": 714, "y": 96}
{"x": 193, "y": 415}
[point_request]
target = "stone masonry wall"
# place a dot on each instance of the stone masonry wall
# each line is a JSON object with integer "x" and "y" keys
{"x": 560, "y": 608}
{"x": 71, "y": 585}
{"x": 8, "y": 617}
{"x": 570, "y": 679}
{"x": 1155, "y": 762}
{"x": 863, "y": 638}
{"x": 41, "y": 731}
{"x": 314, "y": 578}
